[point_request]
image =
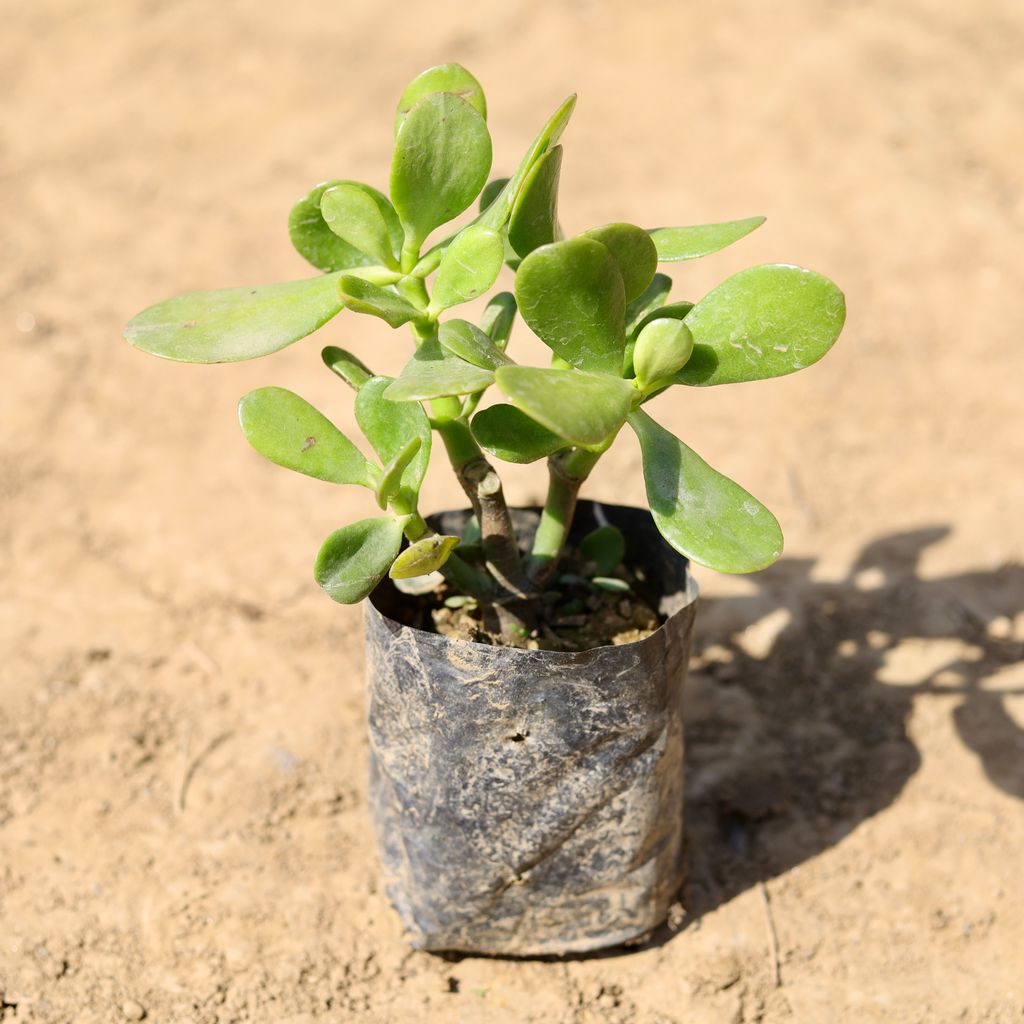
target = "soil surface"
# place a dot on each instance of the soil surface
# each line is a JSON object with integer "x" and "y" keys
{"x": 183, "y": 829}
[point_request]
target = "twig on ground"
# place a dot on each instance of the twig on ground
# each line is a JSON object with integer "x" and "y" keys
{"x": 191, "y": 767}
{"x": 773, "y": 938}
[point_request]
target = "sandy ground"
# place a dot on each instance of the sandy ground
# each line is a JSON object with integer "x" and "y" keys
{"x": 183, "y": 829}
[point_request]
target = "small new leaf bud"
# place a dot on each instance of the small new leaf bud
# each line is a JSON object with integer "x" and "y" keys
{"x": 662, "y": 349}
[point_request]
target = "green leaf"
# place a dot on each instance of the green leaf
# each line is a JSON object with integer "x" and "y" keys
{"x": 498, "y": 318}
{"x": 534, "y": 218}
{"x": 235, "y": 323}
{"x": 701, "y": 240}
{"x": 316, "y": 242}
{"x": 612, "y": 584}
{"x": 390, "y": 479}
{"x": 584, "y": 408}
{"x": 511, "y": 435}
{"x": 763, "y": 322}
{"x": 364, "y": 297}
{"x": 433, "y": 372}
{"x": 673, "y": 311}
{"x": 634, "y": 253}
{"x": 452, "y": 78}
{"x": 653, "y": 297}
{"x": 351, "y": 370}
{"x": 605, "y": 547}
{"x": 442, "y": 156}
{"x": 571, "y": 295}
{"x": 390, "y": 426}
{"x": 491, "y": 191}
{"x": 355, "y": 216}
{"x": 354, "y": 559}
{"x": 287, "y": 430}
{"x": 468, "y": 342}
{"x": 662, "y": 349}
{"x": 498, "y": 212}
{"x": 701, "y": 513}
{"x": 468, "y": 268}
{"x": 425, "y": 555}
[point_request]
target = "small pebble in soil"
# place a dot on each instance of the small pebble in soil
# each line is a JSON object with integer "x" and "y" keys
{"x": 131, "y": 1010}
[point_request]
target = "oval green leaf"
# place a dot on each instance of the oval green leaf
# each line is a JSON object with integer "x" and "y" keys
{"x": 584, "y": 408}
{"x": 232, "y": 324}
{"x": 424, "y": 556}
{"x": 389, "y": 426}
{"x": 498, "y": 318}
{"x": 365, "y": 297}
{"x": 701, "y": 239}
{"x": 286, "y": 429}
{"x": 605, "y": 547}
{"x": 351, "y": 370}
{"x": 468, "y": 342}
{"x": 653, "y": 297}
{"x": 764, "y": 322}
{"x": 571, "y": 295}
{"x": 391, "y": 477}
{"x": 356, "y": 217}
{"x": 468, "y": 268}
{"x": 662, "y": 349}
{"x": 704, "y": 515}
{"x": 434, "y": 372}
{"x": 534, "y": 218}
{"x": 673, "y": 311}
{"x": 511, "y": 435}
{"x": 453, "y": 78}
{"x": 354, "y": 559}
{"x": 634, "y": 253}
{"x": 440, "y": 164}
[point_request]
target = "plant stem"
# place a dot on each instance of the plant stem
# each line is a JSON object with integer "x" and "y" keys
{"x": 483, "y": 488}
{"x": 566, "y": 473}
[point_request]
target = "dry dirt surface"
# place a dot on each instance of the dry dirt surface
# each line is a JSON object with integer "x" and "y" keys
{"x": 183, "y": 825}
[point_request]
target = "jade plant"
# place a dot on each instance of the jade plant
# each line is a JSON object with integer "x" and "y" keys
{"x": 595, "y": 299}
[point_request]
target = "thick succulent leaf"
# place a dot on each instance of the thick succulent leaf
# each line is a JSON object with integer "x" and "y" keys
{"x": 468, "y": 268}
{"x": 511, "y": 435}
{"x": 389, "y": 426}
{"x": 468, "y": 342}
{"x": 584, "y": 408}
{"x": 235, "y": 323}
{"x": 390, "y": 482}
{"x": 351, "y": 370}
{"x": 662, "y": 349}
{"x": 365, "y": 297}
{"x": 287, "y": 430}
{"x": 497, "y": 213}
{"x": 316, "y": 242}
{"x": 452, "y": 78}
{"x": 605, "y": 547}
{"x": 653, "y": 297}
{"x": 701, "y": 513}
{"x": 571, "y": 295}
{"x": 355, "y": 216}
{"x": 425, "y": 555}
{"x": 434, "y": 372}
{"x": 491, "y": 191}
{"x": 354, "y": 559}
{"x": 634, "y": 253}
{"x": 673, "y": 311}
{"x": 701, "y": 239}
{"x": 534, "y": 218}
{"x": 440, "y": 164}
{"x": 763, "y": 322}
{"x": 498, "y": 318}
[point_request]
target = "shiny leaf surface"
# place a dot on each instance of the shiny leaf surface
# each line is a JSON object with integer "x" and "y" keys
{"x": 511, "y": 435}
{"x": 468, "y": 268}
{"x": 662, "y": 348}
{"x": 425, "y": 555}
{"x": 468, "y": 342}
{"x": 453, "y": 78}
{"x": 571, "y": 295}
{"x": 354, "y": 559}
{"x": 701, "y": 239}
{"x": 286, "y": 429}
{"x": 351, "y": 370}
{"x": 704, "y": 515}
{"x": 235, "y": 323}
{"x": 440, "y": 164}
{"x": 364, "y": 297}
{"x": 763, "y": 322}
{"x": 584, "y": 408}
{"x": 356, "y": 217}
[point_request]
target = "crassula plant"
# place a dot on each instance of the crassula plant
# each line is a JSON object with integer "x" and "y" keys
{"x": 595, "y": 299}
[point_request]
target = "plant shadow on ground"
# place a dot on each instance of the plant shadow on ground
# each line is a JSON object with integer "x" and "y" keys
{"x": 793, "y": 737}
